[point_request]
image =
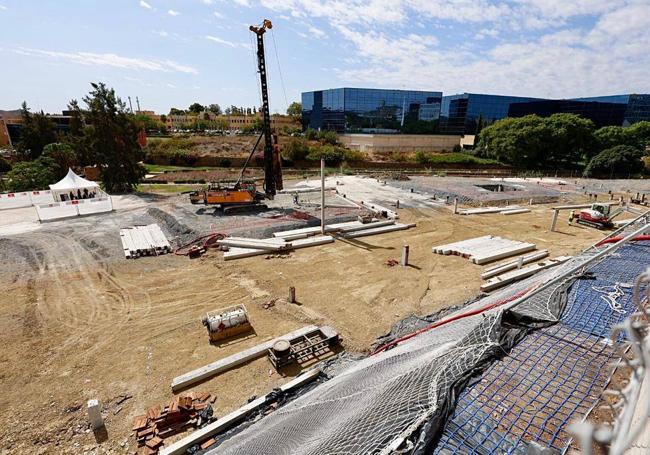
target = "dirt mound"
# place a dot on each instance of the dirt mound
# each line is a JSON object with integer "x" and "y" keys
{"x": 176, "y": 229}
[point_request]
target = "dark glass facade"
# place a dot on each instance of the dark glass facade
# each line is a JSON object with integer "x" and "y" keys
{"x": 637, "y": 106}
{"x": 359, "y": 110}
{"x": 467, "y": 113}
{"x": 602, "y": 114}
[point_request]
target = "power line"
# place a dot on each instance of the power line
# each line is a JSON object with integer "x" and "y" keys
{"x": 277, "y": 58}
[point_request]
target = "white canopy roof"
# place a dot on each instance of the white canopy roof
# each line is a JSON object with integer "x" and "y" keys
{"x": 72, "y": 182}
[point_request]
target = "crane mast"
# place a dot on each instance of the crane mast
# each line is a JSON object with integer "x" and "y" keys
{"x": 270, "y": 159}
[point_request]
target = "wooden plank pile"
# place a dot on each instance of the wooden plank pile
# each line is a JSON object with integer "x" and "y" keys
{"x": 183, "y": 411}
{"x": 481, "y": 250}
{"x": 146, "y": 240}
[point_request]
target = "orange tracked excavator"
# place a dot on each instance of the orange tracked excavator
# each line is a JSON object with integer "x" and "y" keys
{"x": 243, "y": 194}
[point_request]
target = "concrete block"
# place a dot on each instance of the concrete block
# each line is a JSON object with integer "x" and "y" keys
{"x": 95, "y": 414}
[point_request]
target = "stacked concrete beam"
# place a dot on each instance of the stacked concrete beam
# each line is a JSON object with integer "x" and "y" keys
{"x": 511, "y": 209}
{"x": 300, "y": 238}
{"x": 481, "y": 250}
{"x": 144, "y": 241}
{"x": 519, "y": 274}
{"x": 517, "y": 263}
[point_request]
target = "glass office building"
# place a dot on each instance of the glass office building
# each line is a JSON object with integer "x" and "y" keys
{"x": 467, "y": 113}
{"x": 637, "y": 106}
{"x": 601, "y": 113}
{"x": 360, "y": 110}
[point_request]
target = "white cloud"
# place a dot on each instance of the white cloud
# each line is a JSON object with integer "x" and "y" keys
{"x": 162, "y": 33}
{"x": 217, "y": 14}
{"x": 216, "y": 39}
{"x": 207, "y": 2}
{"x": 112, "y": 60}
{"x": 3, "y": 8}
{"x": 145, "y": 4}
{"x": 318, "y": 33}
{"x": 171, "y": 12}
{"x": 245, "y": 3}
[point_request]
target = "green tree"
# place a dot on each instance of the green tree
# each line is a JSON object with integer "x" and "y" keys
{"x": 611, "y": 136}
{"x": 622, "y": 160}
{"x": 63, "y": 156}
{"x": 221, "y": 124}
{"x": 112, "y": 136}
{"x": 215, "y": 109}
{"x": 147, "y": 123}
{"x": 295, "y": 111}
{"x": 572, "y": 141}
{"x": 175, "y": 111}
{"x": 76, "y": 138}
{"x": 32, "y": 175}
{"x": 196, "y": 108}
{"x": 38, "y": 130}
{"x": 522, "y": 142}
{"x": 641, "y": 133}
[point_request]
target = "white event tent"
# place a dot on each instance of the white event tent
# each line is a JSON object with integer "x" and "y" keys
{"x": 76, "y": 185}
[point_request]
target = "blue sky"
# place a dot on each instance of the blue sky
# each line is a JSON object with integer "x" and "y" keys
{"x": 174, "y": 52}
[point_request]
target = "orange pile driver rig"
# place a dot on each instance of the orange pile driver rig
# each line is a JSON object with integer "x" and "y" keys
{"x": 244, "y": 194}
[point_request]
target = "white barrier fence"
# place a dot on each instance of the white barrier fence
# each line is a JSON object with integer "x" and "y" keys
{"x": 25, "y": 199}
{"x": 58, "y": 210}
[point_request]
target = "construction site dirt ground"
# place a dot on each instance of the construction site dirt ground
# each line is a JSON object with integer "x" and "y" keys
{"x": 78, "y": 321}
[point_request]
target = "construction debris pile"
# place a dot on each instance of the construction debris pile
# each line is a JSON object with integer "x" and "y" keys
{"x": 160, "y": 422}
{"x": 146, "y": 240}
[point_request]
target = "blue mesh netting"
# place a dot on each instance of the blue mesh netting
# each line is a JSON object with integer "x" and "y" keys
{"x": 553, "y": 375}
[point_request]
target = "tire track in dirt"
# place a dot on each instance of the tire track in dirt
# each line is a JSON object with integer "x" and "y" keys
{"x": 81, "y": 298}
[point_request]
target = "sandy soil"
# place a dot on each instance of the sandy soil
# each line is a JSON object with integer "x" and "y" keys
{"x": 77, "y": 321}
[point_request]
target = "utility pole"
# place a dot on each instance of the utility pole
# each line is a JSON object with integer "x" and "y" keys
{"x": 137, "y": 103}
{"x": 322, "y": 196}
{"x": 130, "y": 105}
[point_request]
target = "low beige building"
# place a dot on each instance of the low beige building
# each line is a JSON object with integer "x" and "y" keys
{"x": 230, "y": 122}
{"x": 387, "y": 143}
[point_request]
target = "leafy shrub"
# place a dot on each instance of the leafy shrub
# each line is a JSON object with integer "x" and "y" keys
{"x": 334, "y": 155}
{"x": 5, "y": 166}
{"x": 311, "y": 134}
{"x": 296, "y": 149}
{"x": 32, "y": 175}
{"x": 328, "y": 137}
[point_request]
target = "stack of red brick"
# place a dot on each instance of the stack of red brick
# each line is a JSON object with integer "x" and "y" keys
{"x": 162, "y": 421}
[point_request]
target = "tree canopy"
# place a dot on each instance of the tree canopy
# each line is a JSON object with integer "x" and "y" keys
{"x": 63, "y": 157}
{"x": 196, "y": 108}
{"x": 623, "y": 160}
{"x": 215, "y": 109}
{"x": 295, "y": 110}
{"x": 38, "y": 130}
{"x": 30, "y": 175}
{"x": 561, "y": 141}
{"x": 112, "y": 138}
